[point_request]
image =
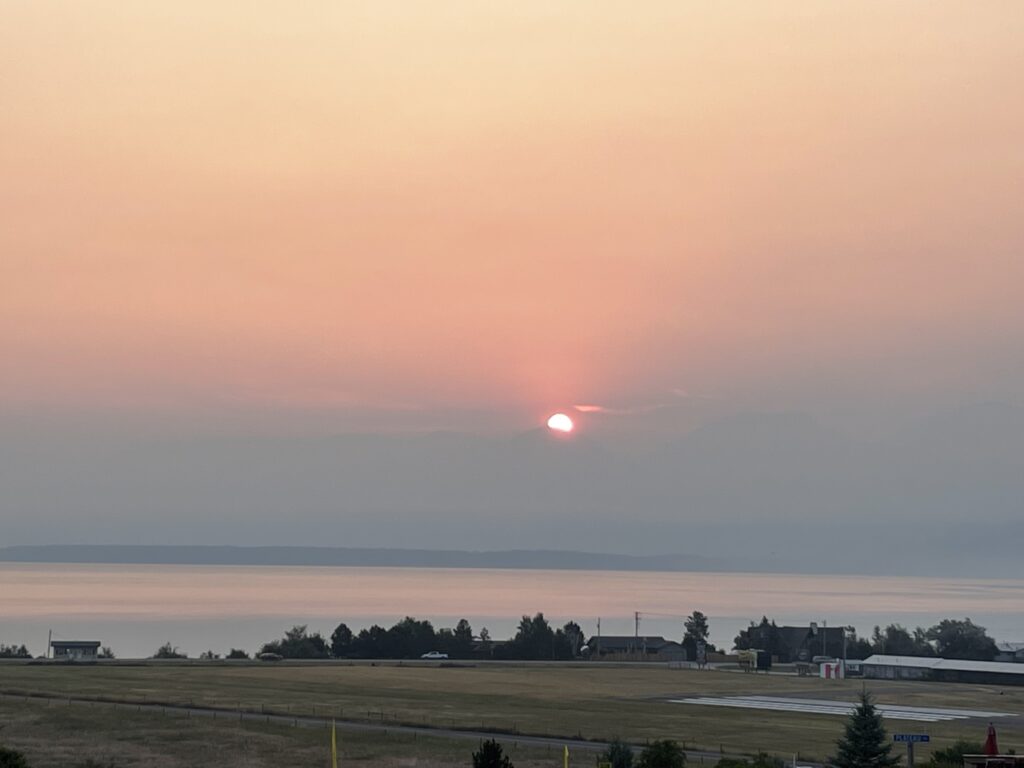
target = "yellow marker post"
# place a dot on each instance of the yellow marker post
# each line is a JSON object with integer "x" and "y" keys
{"x": 565, "y": 757}
{"x": 334, "y": 746}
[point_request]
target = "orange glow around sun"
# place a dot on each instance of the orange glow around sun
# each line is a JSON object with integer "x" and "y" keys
{"x": 559, "y": 422}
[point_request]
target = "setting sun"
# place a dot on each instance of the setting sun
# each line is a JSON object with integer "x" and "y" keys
{"x": 559, "y": 422}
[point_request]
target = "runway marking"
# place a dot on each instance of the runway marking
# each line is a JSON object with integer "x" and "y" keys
{"x": 841, "y": 708}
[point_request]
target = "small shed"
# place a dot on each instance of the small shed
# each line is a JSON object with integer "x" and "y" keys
{"x": 75, "y": 650}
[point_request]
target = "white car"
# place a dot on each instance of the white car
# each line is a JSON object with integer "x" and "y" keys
{"x": 434, "y": 655}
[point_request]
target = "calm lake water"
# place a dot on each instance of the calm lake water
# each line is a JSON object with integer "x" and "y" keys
{"x": 136, "y": 608}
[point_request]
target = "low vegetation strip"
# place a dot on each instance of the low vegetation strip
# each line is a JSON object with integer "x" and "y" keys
{"x": 840, "y": 708}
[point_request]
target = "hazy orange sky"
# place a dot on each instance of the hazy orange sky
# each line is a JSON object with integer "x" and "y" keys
{"x": 508, "y": 207}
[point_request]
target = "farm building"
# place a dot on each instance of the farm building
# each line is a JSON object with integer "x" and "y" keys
{"x": 629, "y": 648}
{"x": 75, "y": 650}
{"x": 883, "y": 667}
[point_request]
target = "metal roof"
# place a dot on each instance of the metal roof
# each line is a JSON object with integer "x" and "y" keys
{"x": 76, "y": 643}
{"x": 651, "y": 642}
{"x": 931, "y": 662}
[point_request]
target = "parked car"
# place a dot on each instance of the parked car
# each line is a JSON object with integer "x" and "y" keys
{"x": 434, "y": 655}
{"x": 270, "y": 657}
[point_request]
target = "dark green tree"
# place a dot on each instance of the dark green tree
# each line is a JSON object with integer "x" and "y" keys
{"x": 444, "y": 640}
{"x": 764, "y": 637}
{"x": 491, "y": 755}
{"x": 764, "y": 760}
{"x": 865, "y": 744}
{"x": 105, "y": 653}
{"x": 619, "y": 754}
{"x": 664, "y": 753}
{"x": 574, "y": 637}
{"x": 297, "y": 643}
{"x": 168, "y": 651}
{"x": 369, "y": 643}
{"x": 953, "y": 755}
{"x": 696, "y": 631}
{"x": 237, "y": 653}
{"x": 12, "y": 758}
{"x": 14, "y": 652}
{"x": 858, "y": 647}
{"x": 761, "y": 760}
{"x": 896, "y": 640}
{"x": 962, "y": 640}
{"x": 462, "y": 642}
{"x": 409, "y": 638}
{"x": 533, "y": 640}
{"x": 696, "y": 626}
{"x": 485, "y": 643}
{"x": 341, "y": 641}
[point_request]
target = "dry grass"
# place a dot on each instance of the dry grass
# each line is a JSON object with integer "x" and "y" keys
{"x": 66, "y": 736}
{"x": 592, "y": 702}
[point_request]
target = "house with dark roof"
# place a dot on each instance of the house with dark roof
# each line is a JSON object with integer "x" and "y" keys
{"x": 633, "y": 648}
{"x": 1010, "y": 652}
{"x": 802, "y": 644}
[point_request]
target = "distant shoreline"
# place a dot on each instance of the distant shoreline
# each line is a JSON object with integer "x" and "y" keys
{"x": 352, "y": 556}
{"x": 512, "y": 559}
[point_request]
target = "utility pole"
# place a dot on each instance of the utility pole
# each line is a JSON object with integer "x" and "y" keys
{"x": 636, "y": 631}
{"x": 598, "y": 638}
{"x": 49, "y": 642}
{"x": 824, "y": 637}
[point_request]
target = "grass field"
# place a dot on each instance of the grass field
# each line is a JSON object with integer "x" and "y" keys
{"x": 587, "y": 701}
{"x": 55, "y": 736}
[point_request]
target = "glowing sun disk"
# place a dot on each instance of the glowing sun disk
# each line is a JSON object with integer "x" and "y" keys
{"x": 559, "y": 422}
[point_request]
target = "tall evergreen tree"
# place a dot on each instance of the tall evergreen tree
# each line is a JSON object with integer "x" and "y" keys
{"x": 865, "y": 744}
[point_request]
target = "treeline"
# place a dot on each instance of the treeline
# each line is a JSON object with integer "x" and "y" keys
{"x": 411, "y": 638}
{"x": 14, "y": 652}
{"x": 949, "y": 639}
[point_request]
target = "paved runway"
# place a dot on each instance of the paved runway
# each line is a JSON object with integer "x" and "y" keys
{"x": 842, "y": 708}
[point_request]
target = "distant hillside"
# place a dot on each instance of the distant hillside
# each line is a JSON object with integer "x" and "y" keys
{"x": 420, "y": 558}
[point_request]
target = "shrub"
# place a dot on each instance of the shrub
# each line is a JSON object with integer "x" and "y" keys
{"x": 619, "y": 754}
{"x": 953, "y": 755}
{"x": 664, "y": 753}
{"x": 168, "y": 651}
{"x": 12, "y": 758}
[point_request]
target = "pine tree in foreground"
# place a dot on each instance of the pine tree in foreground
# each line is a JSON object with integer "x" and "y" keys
{"x": 490, "y": 755}
{"x": 865, "y": 744}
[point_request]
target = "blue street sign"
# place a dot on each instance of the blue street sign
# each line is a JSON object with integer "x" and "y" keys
{"x": 911, "y": 737}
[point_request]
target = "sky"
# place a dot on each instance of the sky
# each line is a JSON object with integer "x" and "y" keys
{"x": 225, "y": 222}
